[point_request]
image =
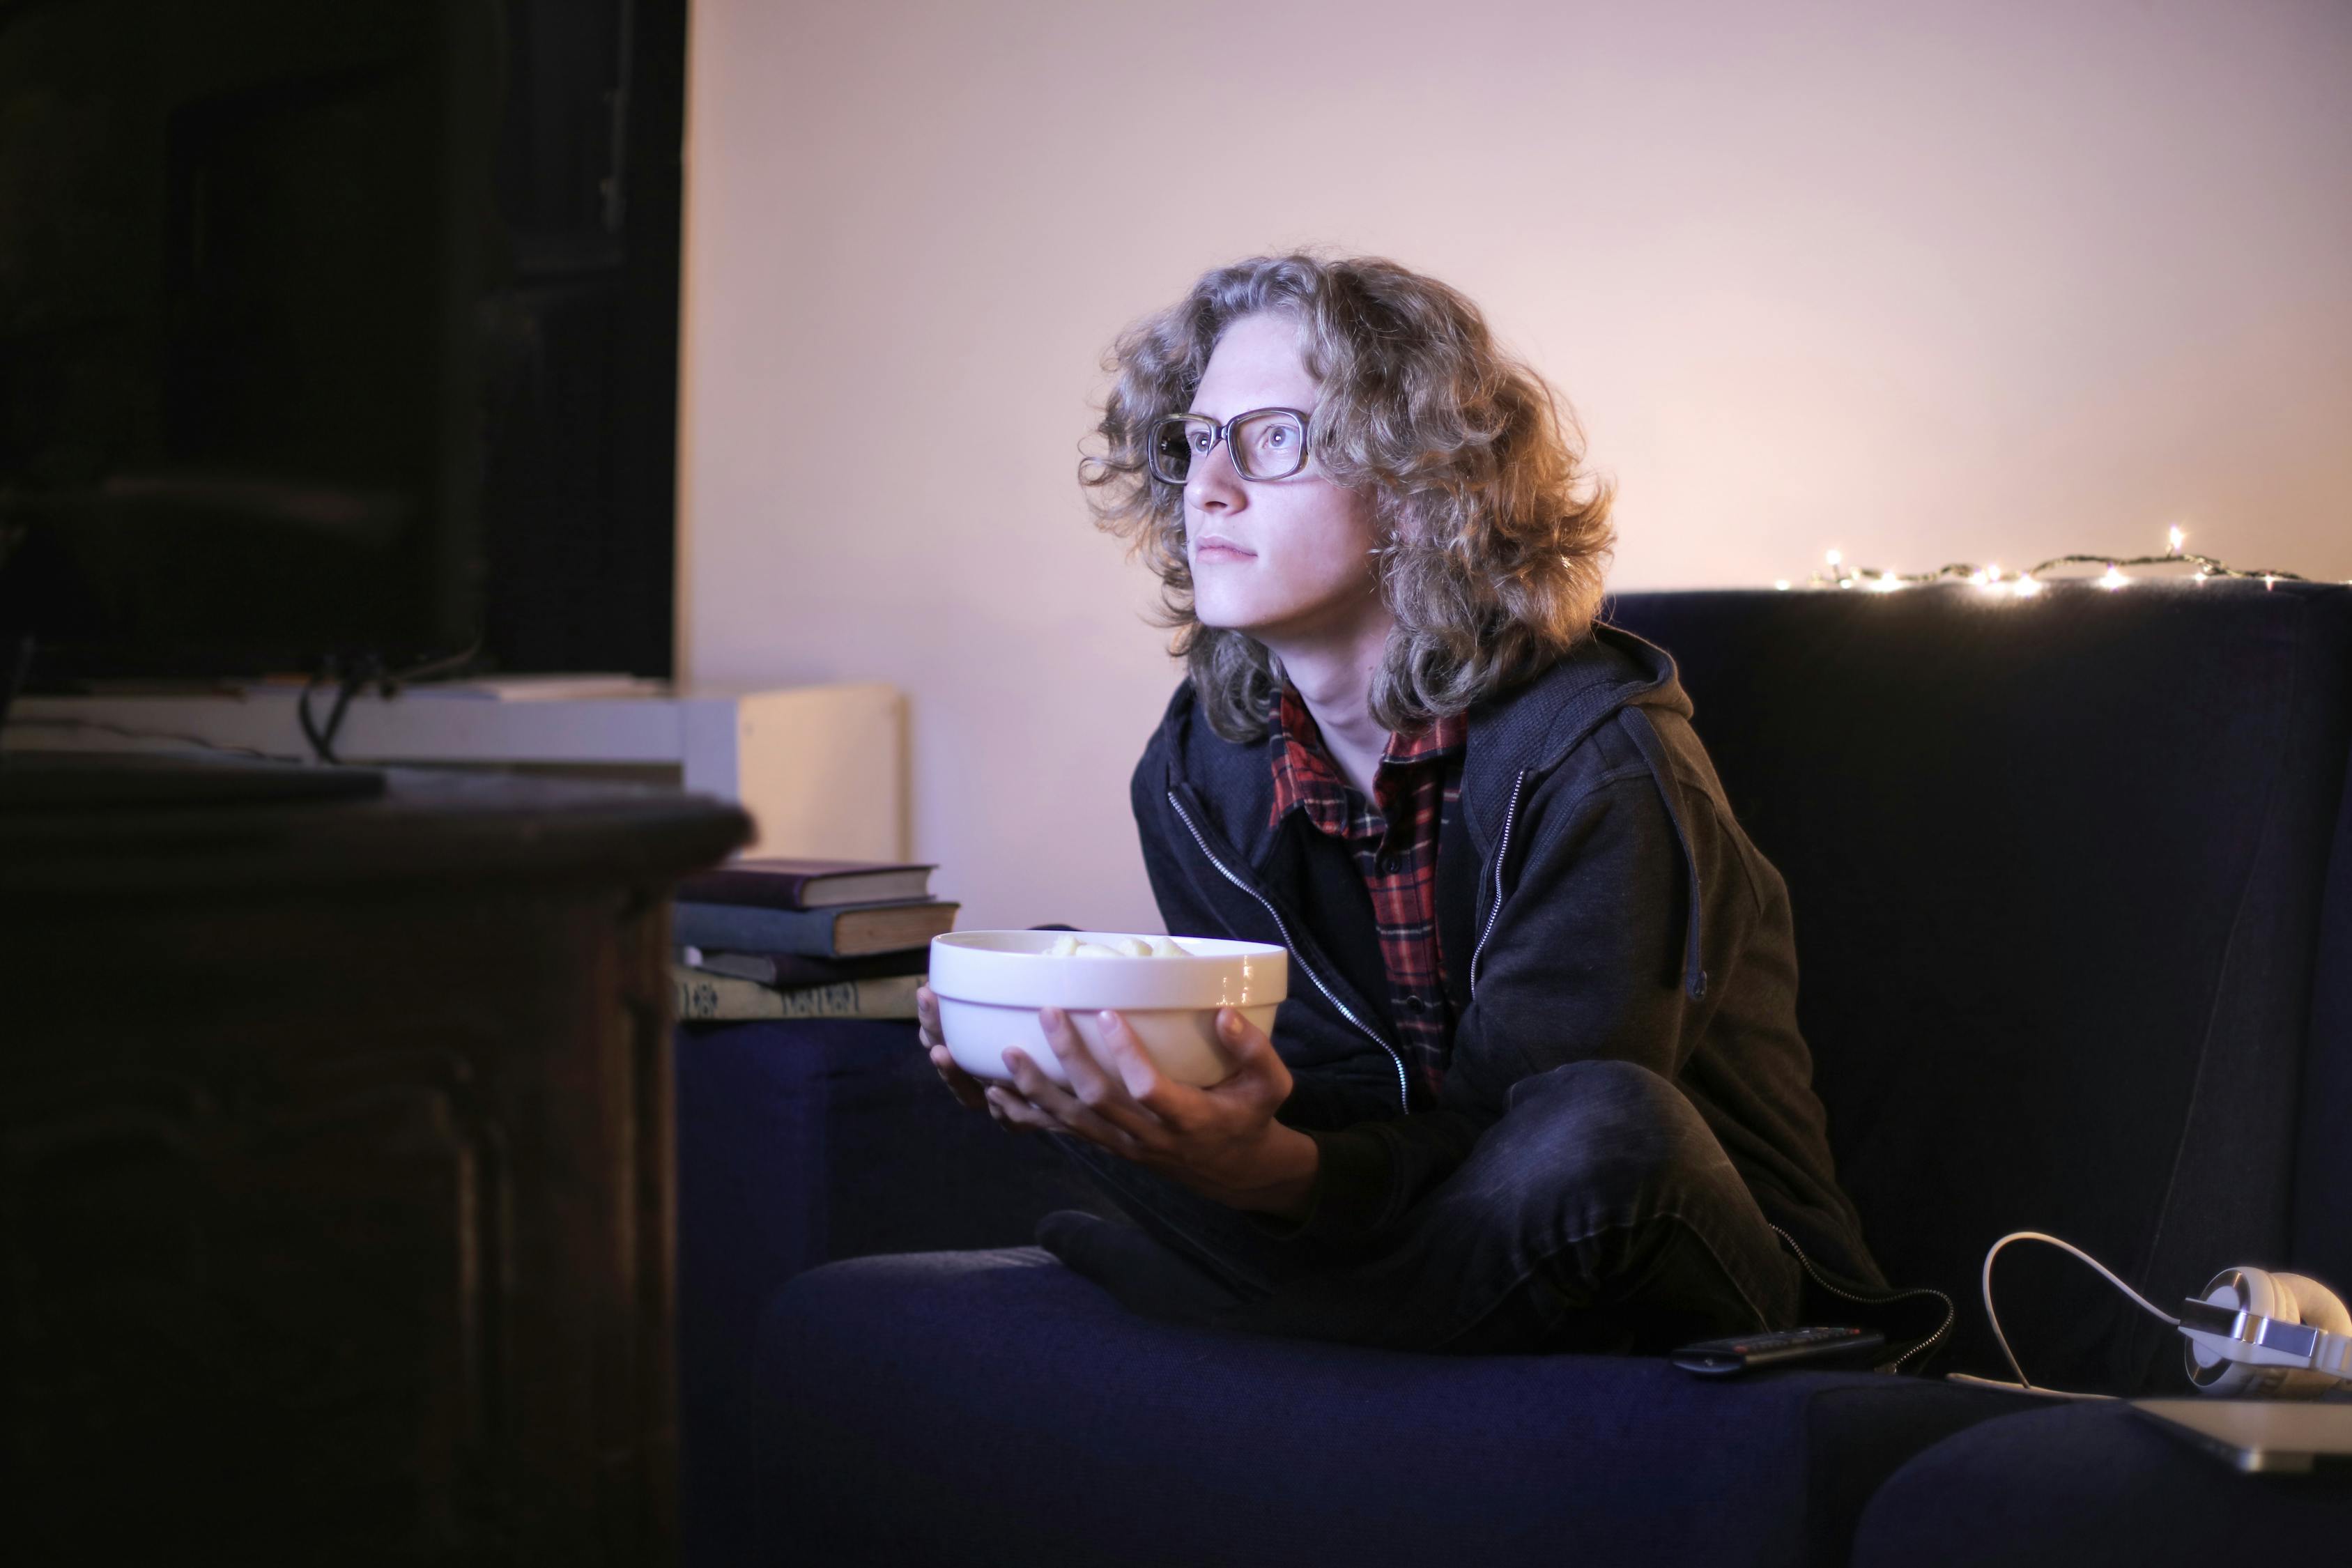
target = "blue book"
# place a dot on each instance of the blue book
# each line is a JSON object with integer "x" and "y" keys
{"x": 846, "y": 930}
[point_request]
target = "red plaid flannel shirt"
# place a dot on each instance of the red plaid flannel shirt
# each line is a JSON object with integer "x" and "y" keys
{"x": 1393, "y": 838}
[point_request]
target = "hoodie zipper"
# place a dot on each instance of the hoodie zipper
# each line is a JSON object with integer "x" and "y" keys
{"x": 1924, "y": 1347}
{"x": 1502, "y": 848}
{"x": 1184, "y": 816}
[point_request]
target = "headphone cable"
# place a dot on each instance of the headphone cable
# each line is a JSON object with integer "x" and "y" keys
{"x": 2024, "y": 1382}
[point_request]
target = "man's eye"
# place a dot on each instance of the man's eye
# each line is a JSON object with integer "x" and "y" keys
{"x": 1278, "y": 437}
{"x": 1201, "y": 440}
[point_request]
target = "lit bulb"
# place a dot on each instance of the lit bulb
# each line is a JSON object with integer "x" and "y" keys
{"x": 2269, "y": 582}
{"x": 1978, "y": 577}
{"x": 2112, "y": 580}
{"x": 1834, "y": 558}
{"x": 2027, "y": 587}
{"x": 1782, "y": 584}
{"x": 2178, "y": 538}
{"x": 1992, "y": 572}
{"x": 1885, "y": 583}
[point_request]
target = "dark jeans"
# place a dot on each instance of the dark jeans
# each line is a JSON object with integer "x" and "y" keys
{"x": 1599, "y": 1214}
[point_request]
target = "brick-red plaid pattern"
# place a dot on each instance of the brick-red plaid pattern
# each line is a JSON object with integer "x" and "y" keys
{"x": 1393, "y": 838}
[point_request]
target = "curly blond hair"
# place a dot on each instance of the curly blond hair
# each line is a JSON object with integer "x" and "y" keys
{"x": 1494, "y": 541}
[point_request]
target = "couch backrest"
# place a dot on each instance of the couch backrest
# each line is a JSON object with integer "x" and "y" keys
{"x": 2060, "y": 868}
{"x": 2321, "y": 1242}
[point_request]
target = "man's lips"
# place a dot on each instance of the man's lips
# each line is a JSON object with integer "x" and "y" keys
{"x": 1216, "y": 548}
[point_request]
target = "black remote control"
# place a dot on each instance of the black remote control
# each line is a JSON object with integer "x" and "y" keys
{"x": 1725, "y": 1358}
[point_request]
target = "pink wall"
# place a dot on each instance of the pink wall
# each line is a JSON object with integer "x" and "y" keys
{"x": 1924, "y": 282}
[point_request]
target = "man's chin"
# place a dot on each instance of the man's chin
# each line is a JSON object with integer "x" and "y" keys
{"x": 1248, "y": 625}
{"x": 1264, "y": 621}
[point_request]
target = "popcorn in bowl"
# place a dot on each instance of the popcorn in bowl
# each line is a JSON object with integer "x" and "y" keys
{"x": 992, "y": 984}
{"x": 1117, "y": 947}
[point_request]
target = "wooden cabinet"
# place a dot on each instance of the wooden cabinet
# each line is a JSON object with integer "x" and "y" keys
{"x": 336, "y": 1187}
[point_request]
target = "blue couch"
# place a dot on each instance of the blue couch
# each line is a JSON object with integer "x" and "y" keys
{"x": 2073, "y": 880}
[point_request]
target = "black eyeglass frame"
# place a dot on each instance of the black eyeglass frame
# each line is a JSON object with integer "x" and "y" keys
{"x": 1220, "y": 432}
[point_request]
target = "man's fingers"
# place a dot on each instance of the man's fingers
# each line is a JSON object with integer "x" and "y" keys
{"x": 1070, "y": 1113}
{"x": 1016, "y": 1105}
{"x": 1258, "y": 1068}
{"x": 959, "y": 1082}
{"x": 1247, "y": 1042}
{"x": 1090, "y": 1084}
{"x": 1013, "y": 1107}
{"x": 1062, "y": 1036}
{"x": 1016, "y": 1114}
{"x": 1141, "y": 1080}
{"x": 1042, "y": 1091}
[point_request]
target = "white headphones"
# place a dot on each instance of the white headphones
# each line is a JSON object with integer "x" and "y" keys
{"x": 2254, "y": 1335}
{"x": 2257, "y": 1335}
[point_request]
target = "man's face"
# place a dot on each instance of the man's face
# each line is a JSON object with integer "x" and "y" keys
{"x": 1282, "y": 560}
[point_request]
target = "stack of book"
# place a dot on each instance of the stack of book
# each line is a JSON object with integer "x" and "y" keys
{"x": 805, "y": 939}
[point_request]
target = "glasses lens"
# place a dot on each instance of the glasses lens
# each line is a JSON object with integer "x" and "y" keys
{"x": 1170, "y": 451}
{"x": 1269, "y": 446}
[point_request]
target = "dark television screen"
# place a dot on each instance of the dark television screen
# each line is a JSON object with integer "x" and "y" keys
{"x": 241, "y": 256}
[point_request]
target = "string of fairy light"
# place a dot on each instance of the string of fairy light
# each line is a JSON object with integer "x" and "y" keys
{"x": 1992, "y": 579}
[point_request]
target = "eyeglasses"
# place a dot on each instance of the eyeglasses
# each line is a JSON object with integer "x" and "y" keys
{"x": 1265, "y": 444}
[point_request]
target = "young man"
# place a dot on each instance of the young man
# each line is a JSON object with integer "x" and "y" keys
{"x": 1539, "y": 1084}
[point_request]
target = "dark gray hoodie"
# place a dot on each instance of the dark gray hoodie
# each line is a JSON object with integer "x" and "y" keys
{"x": 1595, "y": 899}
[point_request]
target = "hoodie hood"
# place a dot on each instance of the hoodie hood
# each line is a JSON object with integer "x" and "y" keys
{"x": 1532, "y": 728}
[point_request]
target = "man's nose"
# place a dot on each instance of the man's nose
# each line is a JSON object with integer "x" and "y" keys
{"x": 1212, "y": 481}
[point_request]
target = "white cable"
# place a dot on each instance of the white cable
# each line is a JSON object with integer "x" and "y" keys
{"x": 2035, "y": 1389}
{"x": 1994, "y": 1318}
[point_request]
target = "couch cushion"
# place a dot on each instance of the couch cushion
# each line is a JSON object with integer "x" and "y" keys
{"x": 2057, "y": 870}
{"x": 992, "y": 1407}
{"x": 800, "y": 1140}
{"x": 2094, "y": 1483}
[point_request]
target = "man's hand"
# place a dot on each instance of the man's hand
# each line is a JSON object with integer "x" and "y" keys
{"x": 961, "y": 1084}
{"x": 1222, "y": 1141}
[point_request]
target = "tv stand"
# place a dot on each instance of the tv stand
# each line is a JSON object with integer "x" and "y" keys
{"x": 336, "y": 1194}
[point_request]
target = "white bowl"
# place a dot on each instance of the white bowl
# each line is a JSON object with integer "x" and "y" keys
{"x": 990, "y": 984}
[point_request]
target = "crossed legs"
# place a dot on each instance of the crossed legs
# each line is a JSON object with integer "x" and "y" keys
{"x": 1600, "y": 1213}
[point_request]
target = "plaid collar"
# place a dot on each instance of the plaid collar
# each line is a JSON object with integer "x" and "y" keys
{"x": 1306, "y": 777}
